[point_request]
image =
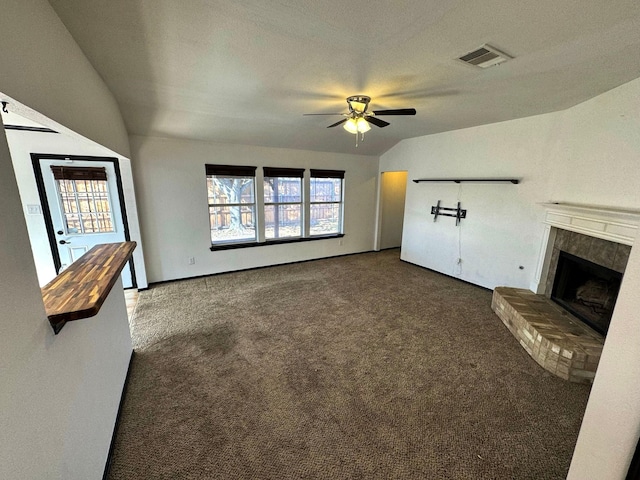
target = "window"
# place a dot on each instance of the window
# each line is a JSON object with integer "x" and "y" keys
{"x": 84, "y": 197}
{"x": 285, "y": 207}
{"x": 282, "y": 202}
{"x": 326, "y": 202}
{"x": 232, "y": 205}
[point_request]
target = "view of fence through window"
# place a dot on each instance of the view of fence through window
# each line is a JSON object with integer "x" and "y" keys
{"x": 85, "y": 205}
{"x": 232, "y": 204}
{"x": 282, "y": 207}
{"x": 326, "y": 206}
{"x": 231, "y": 208}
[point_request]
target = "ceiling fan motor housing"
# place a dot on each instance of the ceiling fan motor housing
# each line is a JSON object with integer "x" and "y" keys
{"x": 358, "y": 103}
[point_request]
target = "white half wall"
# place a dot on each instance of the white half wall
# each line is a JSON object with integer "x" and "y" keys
{"x": 59, "y": 394}
{"x": 172, "y": 200}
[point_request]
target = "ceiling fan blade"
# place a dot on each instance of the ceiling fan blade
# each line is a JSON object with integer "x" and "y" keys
{"x": 307, "y": 114}
{"x": 377, "y": 121}
{"x": 399, "y": 111}
{"x": 338, "y": 123}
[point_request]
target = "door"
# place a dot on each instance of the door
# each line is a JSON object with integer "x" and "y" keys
{"x": 85, "y": 208}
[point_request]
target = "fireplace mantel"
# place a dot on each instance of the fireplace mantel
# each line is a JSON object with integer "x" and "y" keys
{"x": 615, "y": 225}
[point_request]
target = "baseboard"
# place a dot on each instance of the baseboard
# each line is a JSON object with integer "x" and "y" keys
{"x": 152, "y": 284}
{"x": 449, "y": 276}
{"x": 107, "y": 465}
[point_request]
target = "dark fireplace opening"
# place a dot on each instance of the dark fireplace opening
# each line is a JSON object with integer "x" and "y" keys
{"x": 587, "y": 290}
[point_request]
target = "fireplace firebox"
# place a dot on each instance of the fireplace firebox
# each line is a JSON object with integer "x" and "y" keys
{"x": 587, "y": 290}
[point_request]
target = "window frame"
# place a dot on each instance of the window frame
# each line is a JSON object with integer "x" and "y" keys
{"x": 66, "y": 183}
{"x": 333, "y": 174}
{"x": 260, "y": 204}
{"x": 240, "y": 171}
{"x": 275, "y": 172}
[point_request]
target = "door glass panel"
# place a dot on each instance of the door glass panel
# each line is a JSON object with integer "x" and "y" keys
{"x": 86, "y": 206}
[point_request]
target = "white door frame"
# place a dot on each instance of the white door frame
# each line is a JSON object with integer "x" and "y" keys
{"x": 44, "y": 201}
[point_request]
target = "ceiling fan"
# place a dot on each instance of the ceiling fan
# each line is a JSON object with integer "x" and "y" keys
{"x": 358, "y": 118}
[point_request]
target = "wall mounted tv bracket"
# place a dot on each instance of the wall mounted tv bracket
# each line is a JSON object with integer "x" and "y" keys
{"x": 457, "y": 212}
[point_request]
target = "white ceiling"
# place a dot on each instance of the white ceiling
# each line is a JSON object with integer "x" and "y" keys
{"x": 245, "y": 71}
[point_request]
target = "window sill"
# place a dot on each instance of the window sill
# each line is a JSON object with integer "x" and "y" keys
{"x": 277, "y": 241}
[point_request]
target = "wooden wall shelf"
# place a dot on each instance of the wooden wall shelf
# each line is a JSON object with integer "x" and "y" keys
{"x": 477, "y": 180}
{"x": 80, "y": 290}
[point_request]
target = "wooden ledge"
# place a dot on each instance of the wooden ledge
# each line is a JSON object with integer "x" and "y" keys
{"x": 80, "y": 290}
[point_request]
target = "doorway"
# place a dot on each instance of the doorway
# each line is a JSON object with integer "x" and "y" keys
{"x": 83, "y": 205}
{"x": 393, "y": 188}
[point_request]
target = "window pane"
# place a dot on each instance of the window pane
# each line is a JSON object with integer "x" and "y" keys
{"x": 224, "y": 190}
{"x": 232, "y": 223}
{"x": 80, "y": 200}
{"x": 326, "y": 189}
{"x": 282, "y": 190}
{"x": 282, "y": 221}
{"x": 73, "y": 223}
{"x": 325, "y": 218}
{"x": 89, "y": 223}
{"x": 85, "y": 205}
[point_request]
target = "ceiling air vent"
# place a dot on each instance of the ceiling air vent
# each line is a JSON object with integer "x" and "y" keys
{"x": 485, "y": 56}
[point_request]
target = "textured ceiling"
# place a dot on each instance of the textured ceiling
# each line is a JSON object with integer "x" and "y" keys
{"x": 245, "y": 71}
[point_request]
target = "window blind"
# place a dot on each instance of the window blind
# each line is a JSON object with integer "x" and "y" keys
{"x": 283, "y": 172}
{"x": 231, "y": 170}
{"x": 327, "y": 173}
{"x": 79, "y": 173}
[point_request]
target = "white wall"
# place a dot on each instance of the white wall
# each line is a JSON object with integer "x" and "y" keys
{"x": 611, "y": 426}
{"x": 43, "y": 68}
{"x": 502, "y": 229}
{"x": 172, "y": 200}
{"x": 587, "y": 154}
{"x": 58, "y": 394}
{"x": 21, "y": 145}
{"x": 597, "y": 158}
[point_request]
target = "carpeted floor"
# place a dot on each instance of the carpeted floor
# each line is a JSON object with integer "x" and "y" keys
{"x": 359, "y": 367}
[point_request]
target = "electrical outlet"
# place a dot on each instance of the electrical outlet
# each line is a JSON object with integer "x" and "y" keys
{"x": 34, "y": 210}
{"x": 340, "y": 242}
{"x": 192, "y": 260}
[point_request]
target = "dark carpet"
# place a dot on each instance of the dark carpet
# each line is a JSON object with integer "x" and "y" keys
{"x": 358, "y": 367}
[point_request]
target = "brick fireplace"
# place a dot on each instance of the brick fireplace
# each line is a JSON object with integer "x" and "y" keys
{"x": 583, "y": 256}
{"x": 591, "y": 268}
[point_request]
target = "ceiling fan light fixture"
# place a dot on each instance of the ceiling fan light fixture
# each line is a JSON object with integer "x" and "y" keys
{"x": 357, "y": 125}
{"x": 358, "y": 106}
{"x": 363, "y": 125}
{"x": 358, "y": 120}
{"x": 358, "y": 103}
{"x": 351, "y": 126}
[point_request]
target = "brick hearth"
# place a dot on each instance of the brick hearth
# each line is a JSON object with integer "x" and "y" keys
{"x": 555, "y": 339}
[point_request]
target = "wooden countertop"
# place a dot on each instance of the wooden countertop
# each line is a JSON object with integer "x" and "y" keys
{"x": 80, "y": 290}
